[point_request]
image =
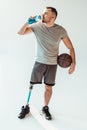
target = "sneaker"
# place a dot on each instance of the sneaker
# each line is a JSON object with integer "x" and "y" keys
{"x": 24, "y": 111}
{"x": 45, "y": 111}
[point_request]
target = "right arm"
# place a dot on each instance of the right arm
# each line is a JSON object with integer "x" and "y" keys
{"x": 25, "y": 29}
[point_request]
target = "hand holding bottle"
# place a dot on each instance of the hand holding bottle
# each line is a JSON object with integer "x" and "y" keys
{"x": 34, "y": 19}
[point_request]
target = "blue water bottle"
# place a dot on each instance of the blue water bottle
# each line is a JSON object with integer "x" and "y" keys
{"x": 34, "y": 19}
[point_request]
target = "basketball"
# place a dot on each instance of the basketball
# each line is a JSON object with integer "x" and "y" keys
{"x": 64, "y": 60}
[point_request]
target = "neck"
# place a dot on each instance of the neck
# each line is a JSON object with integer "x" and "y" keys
{"x": 49, "y": 24}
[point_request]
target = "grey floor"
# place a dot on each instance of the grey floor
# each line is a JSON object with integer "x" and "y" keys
{"x": 64, "y": 106}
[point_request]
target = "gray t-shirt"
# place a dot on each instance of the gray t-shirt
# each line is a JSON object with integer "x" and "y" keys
{"x": 48, "y": 39}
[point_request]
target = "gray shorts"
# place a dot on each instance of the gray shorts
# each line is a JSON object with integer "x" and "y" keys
{"x": 42, "y": 72}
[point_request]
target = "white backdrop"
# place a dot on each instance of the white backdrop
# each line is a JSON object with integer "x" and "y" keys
{"x": 17, "y": 57}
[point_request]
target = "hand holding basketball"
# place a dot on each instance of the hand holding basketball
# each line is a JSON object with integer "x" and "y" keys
{"x": 72, "y": 68}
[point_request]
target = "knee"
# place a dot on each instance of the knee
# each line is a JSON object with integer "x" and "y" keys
{"x": 48, "y": 88}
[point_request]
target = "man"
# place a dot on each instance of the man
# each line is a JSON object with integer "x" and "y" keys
{"x": 48, "y": 35}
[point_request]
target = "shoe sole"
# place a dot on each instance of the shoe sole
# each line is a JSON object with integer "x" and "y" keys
{"x": 43, "y": 115}
{"x": 24, "y": 116}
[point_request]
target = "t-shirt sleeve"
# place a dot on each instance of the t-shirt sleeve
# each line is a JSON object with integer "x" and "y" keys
{"x": 34, "y": 26}
{"x": 64, "y": 33}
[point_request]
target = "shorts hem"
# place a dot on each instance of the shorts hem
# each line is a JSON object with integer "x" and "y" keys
{"x": 49, "y": 84}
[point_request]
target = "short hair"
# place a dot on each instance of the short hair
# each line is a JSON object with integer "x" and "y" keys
{"x": 53, "y": 10}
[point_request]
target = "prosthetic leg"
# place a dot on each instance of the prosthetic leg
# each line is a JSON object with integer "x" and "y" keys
{"x": 26, "y": 109}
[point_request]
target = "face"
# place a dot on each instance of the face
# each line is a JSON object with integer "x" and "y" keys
{"x": 47, "y": 16}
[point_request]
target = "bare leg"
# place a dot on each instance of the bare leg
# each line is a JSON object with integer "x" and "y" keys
{"x": 47, "y": 94}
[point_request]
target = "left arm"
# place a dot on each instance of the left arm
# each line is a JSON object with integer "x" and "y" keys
{"x": 69, "y": 45}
